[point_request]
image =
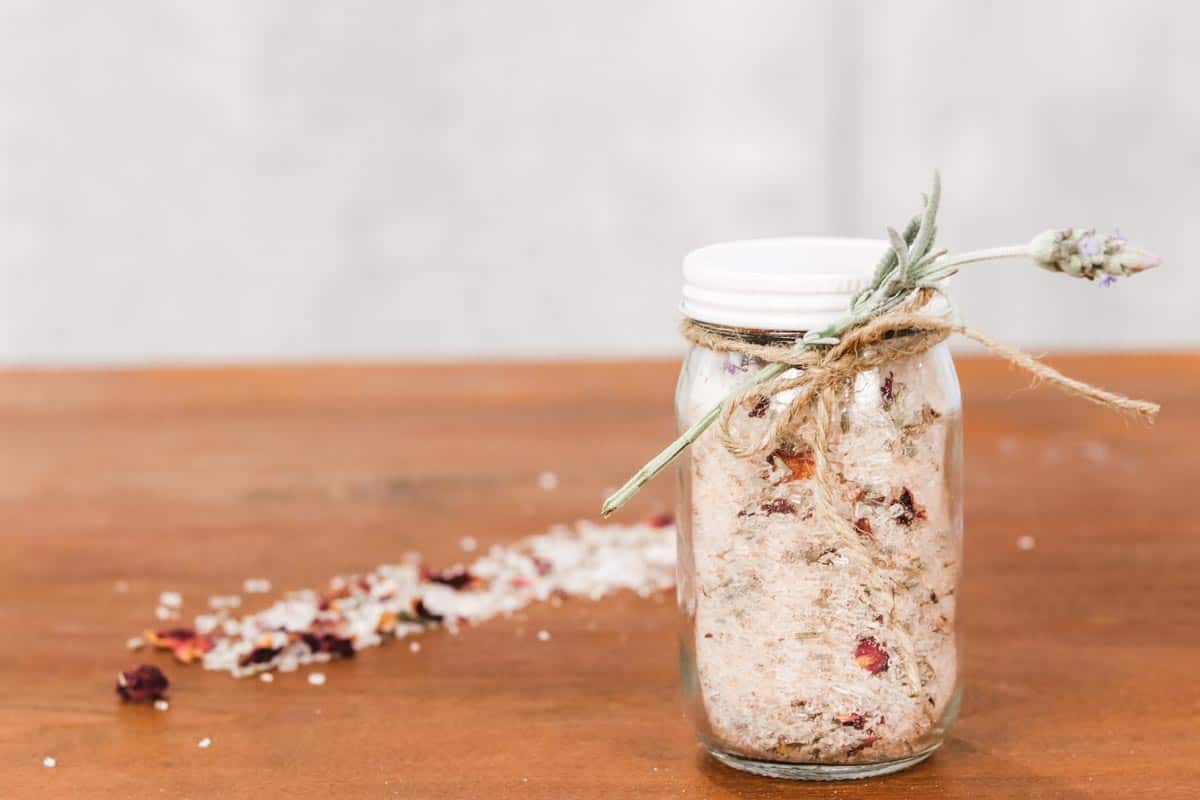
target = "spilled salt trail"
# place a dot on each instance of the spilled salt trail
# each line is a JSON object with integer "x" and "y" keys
{"x": 400, "y": 600}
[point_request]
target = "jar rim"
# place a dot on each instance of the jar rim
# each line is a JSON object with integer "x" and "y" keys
{"x": 781, "y": 284}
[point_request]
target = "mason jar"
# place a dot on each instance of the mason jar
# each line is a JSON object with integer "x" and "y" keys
{"x": 805, "y": 653}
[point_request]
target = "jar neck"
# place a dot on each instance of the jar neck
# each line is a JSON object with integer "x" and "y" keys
{"x": 756, "y": 336}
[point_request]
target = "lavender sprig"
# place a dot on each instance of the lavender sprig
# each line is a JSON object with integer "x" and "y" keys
{"x": 909, "y": 265}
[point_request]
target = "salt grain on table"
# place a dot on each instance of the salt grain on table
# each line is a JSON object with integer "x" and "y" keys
{"x": 49, "y": 761}
{"x": 170, "y": 599}
{"x": 543, "y": 636}
{"x": 204, "y": 743}
{"x": 415, "y": 647}
{"x": 1026, "y": 543}
{"x": 468, "y": 544}
{"x": 256, "y": 586}
{"x": 316, "y": 678}
{"x": 161, "y": 705}
{"x": 548, "y": 481}
{"x": 266, "y": 677}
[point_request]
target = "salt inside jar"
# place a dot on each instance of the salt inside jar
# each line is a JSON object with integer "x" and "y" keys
{"x": 808, "y": 652}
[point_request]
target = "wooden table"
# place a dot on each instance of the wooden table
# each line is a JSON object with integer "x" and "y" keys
{"x": 1082, "y": 654}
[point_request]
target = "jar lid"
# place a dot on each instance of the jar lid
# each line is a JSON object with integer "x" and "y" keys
{"x": 792, "y": 284}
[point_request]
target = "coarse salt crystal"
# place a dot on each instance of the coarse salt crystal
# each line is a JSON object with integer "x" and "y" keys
{"x": 161, "y": 705}
{"x": 135, "y": 643}
{"x": 548, "y": 481}
{"x": 162, "y": 613}
{"x": 256, "y": 586}
{"x": 170, "y": 599}
{"x": 49, "y": 761}
{"x": 1026, "y": 543}
{"x": 468, "y": 544}
{"x": 543, "y": 636}
{"x": 266, "y": 677}
{"x": 316, "y": 678}
{"x": 204, "y": 743}
{"x": 415, "y": 647}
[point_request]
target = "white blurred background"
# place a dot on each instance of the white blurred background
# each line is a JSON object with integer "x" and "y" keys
{"x": 248, "y": 180}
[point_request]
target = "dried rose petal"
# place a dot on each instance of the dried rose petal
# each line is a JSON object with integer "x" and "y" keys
{"x": 871, "y": 656}
{"x": 801, "y": 465}
{"x": 760, "y": 408}
{"x": 909, "y": 510}
{"x": 388, "y": 620}
{"x": 142, "y": 684}
{"x": 863, "y": 745}
{"x": 259, "y": 655}
{"x": 856, "y": 721}
{"x": 863, "y": 526}
{"x": 184, "y": 643}
{"x": 663, "y": 519}
{"x": 423, "y": 613}
{"x": 887, "y": 389}
{"x": 457, "y": 579}
{"x": 780, "y": 505}
{"x": 337, "y": 646}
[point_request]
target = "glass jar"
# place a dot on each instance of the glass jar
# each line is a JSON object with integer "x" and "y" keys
{"x": 800, "y": 659}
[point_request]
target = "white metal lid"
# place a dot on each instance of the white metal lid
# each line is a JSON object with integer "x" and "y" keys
{"x": 793, "y": 284}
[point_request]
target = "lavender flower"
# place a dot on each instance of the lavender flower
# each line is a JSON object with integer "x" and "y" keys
{"x": 1086, "y": 254}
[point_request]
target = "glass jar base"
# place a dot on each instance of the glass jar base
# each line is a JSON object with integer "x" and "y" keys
{"x": 819, "y": 772}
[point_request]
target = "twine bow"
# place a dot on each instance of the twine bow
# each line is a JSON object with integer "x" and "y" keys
{"x": 888, "y": 337}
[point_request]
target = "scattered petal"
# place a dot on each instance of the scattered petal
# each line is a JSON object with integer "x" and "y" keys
{"x": 905, "y": 509}
{"x": 800, "y": 465}
{"x": 871, "y": 656}
{"x": 142, "y": 683}
{"x": 184, "y": 643}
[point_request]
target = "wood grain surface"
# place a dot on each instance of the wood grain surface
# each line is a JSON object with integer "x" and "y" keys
{"x": 1082, "y": 663}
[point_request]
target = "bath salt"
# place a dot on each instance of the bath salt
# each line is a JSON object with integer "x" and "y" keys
{"x": 405, "y": 599}
{"x": 809, "y": 648}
